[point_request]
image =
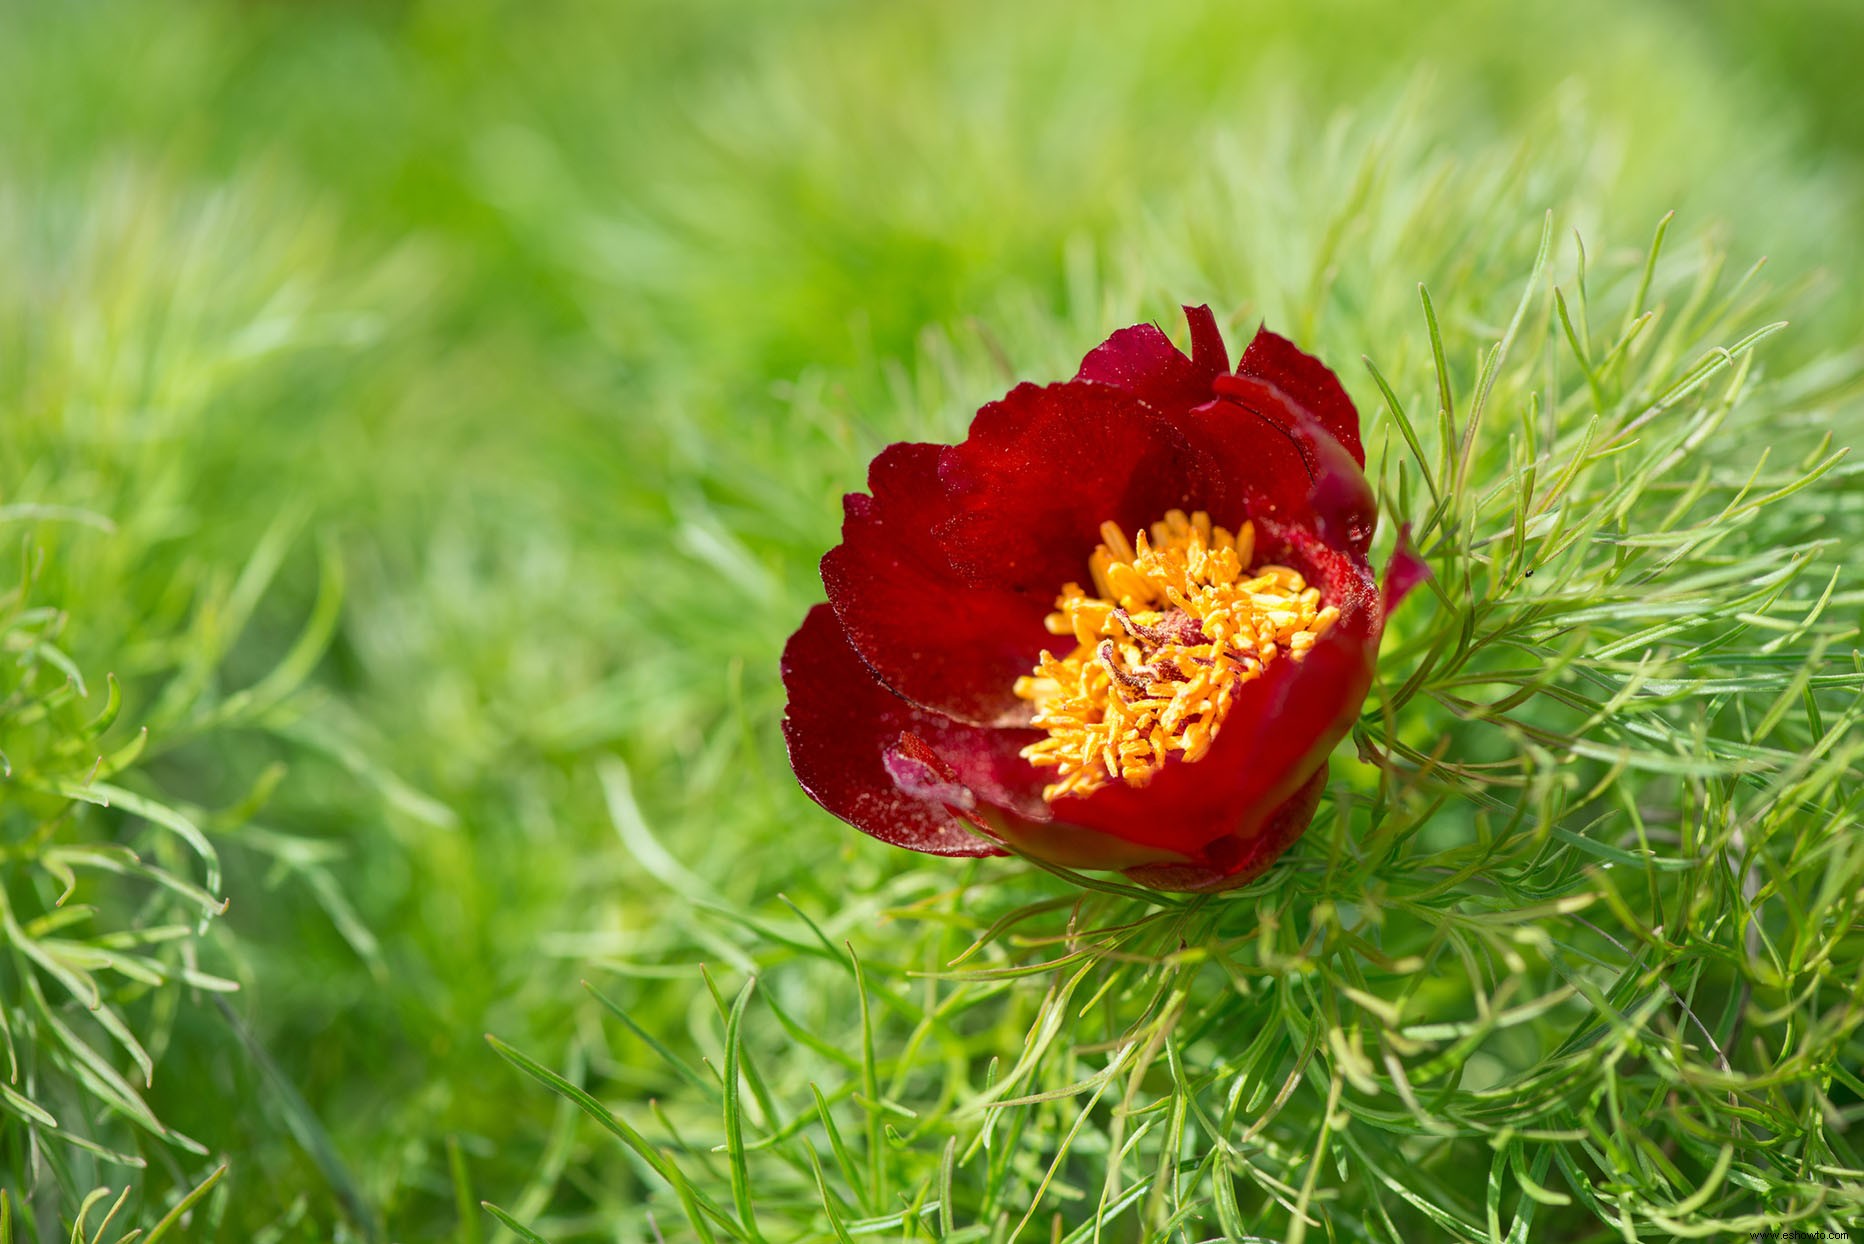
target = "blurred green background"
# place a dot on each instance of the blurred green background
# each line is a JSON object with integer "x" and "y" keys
{"x": 554, "y": 331}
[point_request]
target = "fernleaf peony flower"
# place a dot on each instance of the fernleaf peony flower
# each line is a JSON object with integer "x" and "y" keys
{"x": 1121, "y": 626}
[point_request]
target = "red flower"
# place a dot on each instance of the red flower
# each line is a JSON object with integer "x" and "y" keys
{"x": 1121, "y": 625}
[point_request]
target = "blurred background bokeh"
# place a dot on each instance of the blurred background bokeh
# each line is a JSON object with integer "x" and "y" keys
{"x": 544, "y": 338}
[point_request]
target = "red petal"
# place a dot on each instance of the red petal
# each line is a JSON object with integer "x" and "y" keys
{"x": 841, "y": 725}
{"x": 988, "y": 763}
{"x": 1273, "y": 460}
{"x": 1252, "y": 466}
{"x": 937, "y": 638}
{"x": 1073, "y": 846}
{"x": 1041, "y": 471}
{"x": 1208, "y": 354}
{"x": 1143, "y": 361}
{"x": 1309, "y": 382}
{"x": 945, "y": 573}
{"x": 1403, "y": 572}
{"x": 922, "y": 774}
{"x": 1231, "y": 862}
{"x": 1268, "y": 464}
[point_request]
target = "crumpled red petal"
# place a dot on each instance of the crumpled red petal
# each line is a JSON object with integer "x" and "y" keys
{"x": 841, "y": 725}
{"x": 1310, "y": 382}
{"x": 946, "y": 571}
{"x": 941, "y": 639}
{"x": 888, "y": 767}
{"x": 1143, "y": 361}
{"x": 1278, "y": 463}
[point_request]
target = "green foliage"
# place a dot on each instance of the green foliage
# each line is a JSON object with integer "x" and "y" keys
{"x": 431, "y": 415}
{"x": 64, "y": 770}
{"x": 130, "y": 790}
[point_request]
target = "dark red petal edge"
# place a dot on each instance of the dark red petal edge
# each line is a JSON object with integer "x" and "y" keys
{"x": 1309, "y": 382}
{"x": 844, "y": 731}
{"x": 1208, "y": 353}
{"x": 1143, "y": 361}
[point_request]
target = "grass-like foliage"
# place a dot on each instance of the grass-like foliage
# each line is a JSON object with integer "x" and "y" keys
{"x": 419, "y": 425}
{"x": 123, "y": 793}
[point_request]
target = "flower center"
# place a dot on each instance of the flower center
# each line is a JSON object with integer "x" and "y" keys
{"x": 1178, "y": 622}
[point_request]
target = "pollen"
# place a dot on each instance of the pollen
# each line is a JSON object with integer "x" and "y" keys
{"x": 1179, "y": 618}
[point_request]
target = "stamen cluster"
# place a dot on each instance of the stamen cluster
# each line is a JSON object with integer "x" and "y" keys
{"x": 1178, "y": 622}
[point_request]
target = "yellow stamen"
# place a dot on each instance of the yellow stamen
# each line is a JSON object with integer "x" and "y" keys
{"x": 1179, "y": 620}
